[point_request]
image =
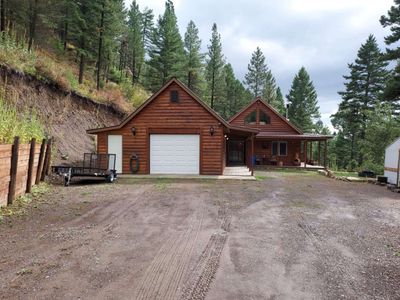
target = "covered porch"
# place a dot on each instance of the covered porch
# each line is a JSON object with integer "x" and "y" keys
{"x": 239, "y": 151}
{"x": 308, "y": 151}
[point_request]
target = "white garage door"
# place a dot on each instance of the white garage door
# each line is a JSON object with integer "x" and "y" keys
{"x": 174, "y": 154}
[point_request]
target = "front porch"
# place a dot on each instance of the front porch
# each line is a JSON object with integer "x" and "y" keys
{"x": 291, "y": 151}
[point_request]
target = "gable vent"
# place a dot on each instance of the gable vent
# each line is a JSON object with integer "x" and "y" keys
{"x": 174, "y": 96}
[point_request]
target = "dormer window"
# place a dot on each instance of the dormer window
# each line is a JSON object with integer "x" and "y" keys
{"x": 264, "y": 118}
{"x": 251, "y": 118}
{"x": 174, "y": 96}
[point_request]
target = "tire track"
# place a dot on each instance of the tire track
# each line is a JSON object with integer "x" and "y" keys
{"x": 324, "y": 252}
{"x": 166, "y": 272}
{"x": 201, "y": 277}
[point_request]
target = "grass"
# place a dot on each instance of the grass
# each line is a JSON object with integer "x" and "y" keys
{"x": 26, "y": 125}
{"x": 345, "y": 174}
{"x": 63, "y": 71}
{"x": 161, "y": 184}
{"x": 289, "y": 171}
{"x": 20, "y": 205}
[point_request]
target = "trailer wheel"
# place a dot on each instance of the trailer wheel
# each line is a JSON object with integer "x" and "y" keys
{"x": 110, "y": 178}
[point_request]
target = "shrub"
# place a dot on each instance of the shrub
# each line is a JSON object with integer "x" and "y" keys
{"x": 351, "y": 167}
{"x": 25, "y": 125}
{"x": 374, "y": 167}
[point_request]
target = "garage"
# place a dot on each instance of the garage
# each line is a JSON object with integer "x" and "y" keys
{"x": 173, "y": 132}
{"x": 174, "y": 154}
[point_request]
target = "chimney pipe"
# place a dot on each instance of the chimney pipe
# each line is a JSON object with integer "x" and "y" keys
{"x": 287, "y": 111}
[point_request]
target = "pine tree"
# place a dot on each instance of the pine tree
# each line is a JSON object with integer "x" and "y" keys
{"x": 147, "y": 26}
{"x": 392, "y": 20}
{"x": 111, "y": 20}
{"x": 166, "y": 52}
{"x": 85, "y": 22}
{"x": 363, "y": 92}
{"x": 302, "y": 100}
{"x": 279, "y": 103}
{"x": 256, "y": 76}
{"x": 194, "y": 58}
{"x": 269, "y": 91}
{"x": 214, "y": 68}
{"x": 135, "y": 40}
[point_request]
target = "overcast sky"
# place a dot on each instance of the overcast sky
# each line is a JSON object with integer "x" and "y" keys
{"x": 322, "y": 35}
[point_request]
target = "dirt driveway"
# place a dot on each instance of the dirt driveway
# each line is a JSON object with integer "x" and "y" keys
{"x": 287, "y": 236}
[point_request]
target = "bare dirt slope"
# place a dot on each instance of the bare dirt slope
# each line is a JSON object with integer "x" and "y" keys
{"x": 286, "y": 237}
{"x": 66, "y": 116}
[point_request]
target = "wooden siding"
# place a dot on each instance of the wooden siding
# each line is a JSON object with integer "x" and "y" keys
{"x": 276, "y": 124}
{"x": 263, "y": 151}
{"x": 164, "y": 117}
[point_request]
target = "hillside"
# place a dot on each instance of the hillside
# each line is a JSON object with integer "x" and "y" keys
{"x": 65, "y": 115}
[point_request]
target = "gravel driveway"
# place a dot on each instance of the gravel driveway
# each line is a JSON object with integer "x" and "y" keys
{"x": 286, "y": 236}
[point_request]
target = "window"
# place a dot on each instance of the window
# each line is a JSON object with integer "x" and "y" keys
{"x": 251, "y": 118}
{"x": 264, "y": 118}
{"x": 174, "y": 96}
{"x": 279, "y": 148}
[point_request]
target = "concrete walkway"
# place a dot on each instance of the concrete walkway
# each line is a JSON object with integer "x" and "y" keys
{"x": 170, "y": 176}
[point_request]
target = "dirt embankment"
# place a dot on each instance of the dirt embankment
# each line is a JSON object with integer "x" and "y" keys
{"x": 66, "y": 116}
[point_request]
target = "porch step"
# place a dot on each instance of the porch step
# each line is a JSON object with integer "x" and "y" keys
{"x": 237, "y": 171}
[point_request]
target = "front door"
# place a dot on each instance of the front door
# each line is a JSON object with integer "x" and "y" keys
{"x": 236, "y": 152}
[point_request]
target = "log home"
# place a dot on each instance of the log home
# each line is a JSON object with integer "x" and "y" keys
{"x": 175, "y": 132}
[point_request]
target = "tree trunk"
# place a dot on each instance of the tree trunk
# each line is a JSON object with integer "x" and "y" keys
{"x": 189, "y": 82}
{"x": 100, "y": 46}
{"x": 82, "y": 61}
{"x": 32, "y": 22}
{"x": 352, "y": 147}
{"x": 3, "y": 16}
{"x": 212, "y": 90}
{"x": 133, "y": 65}
{"x": 65, "y": 35}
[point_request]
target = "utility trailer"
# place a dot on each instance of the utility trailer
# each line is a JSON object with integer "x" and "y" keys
{"x": 93, "y": 165}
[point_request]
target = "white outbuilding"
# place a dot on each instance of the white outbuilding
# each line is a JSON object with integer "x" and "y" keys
{"x": 392, "y": 162}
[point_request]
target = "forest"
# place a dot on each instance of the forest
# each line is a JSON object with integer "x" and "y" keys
{"x": 102, "y": 49}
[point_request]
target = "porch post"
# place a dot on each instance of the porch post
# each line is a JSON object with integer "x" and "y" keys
{"x": 319, "y": 153}
{"x": 326, "y": 154}
{"x": 252, "y": 154}
{"x": 305, "y": 153}
{"x": 311, "y": 151}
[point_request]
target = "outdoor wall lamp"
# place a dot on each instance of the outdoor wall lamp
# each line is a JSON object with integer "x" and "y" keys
{"x": 133, "y": 129}
{"x": 212, "y": 130}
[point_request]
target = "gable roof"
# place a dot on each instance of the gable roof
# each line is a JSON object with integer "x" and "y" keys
{"x": 154, "y": 96}
{"x": 258, "y": 99}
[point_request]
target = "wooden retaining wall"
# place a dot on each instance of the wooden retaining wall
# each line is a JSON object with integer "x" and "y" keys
{"x": 21, "y": 166}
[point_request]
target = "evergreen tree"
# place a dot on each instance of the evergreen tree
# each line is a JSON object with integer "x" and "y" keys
{"x": 147, "y": 26}
{"x": 381, "y": 130}
{"x": 85, "y": 24}
{"x": 279, "y": 103}
{"x": 392, "y": 20}
{"x": 214, "y": 67}
{"x": 302, "y": 100}
{"x": 269, "y": 91}
{"x": 364, "y": 88}
{"x": 256, "y": 75}
{"x": 166, "y": 52}
{"x": 135, "y": 40}
{"x": 194, "y": 66}
{"x": 111, "y": 21}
